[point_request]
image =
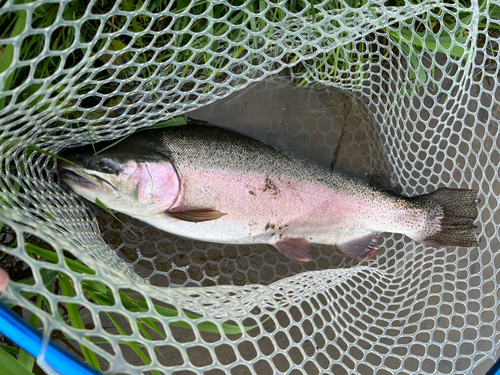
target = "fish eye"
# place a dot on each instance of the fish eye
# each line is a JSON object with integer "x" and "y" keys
{"x": 107, "y": 166}
{"x": 106, "y": 169}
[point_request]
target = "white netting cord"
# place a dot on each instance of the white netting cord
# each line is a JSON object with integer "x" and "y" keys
{"x": 72, "y": 86}
{"x": 432, "y": 90}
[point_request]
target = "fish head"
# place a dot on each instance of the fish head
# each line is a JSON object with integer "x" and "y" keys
{"x": 134, "y": 177}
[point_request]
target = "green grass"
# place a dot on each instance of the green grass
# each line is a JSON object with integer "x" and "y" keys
{"x": 202, "y": 61}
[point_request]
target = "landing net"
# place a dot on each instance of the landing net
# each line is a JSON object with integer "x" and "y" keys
{"x": 74, "y": 73}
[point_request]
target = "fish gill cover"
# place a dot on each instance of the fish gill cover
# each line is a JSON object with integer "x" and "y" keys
{"x": 74, "y": 73}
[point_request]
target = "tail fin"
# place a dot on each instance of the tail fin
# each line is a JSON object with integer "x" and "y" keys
{"x": 452, "y": 216}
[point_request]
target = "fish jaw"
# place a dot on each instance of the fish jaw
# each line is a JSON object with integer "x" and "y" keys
{"x": 84, "y": 183}
{"x": 74, "y": 180}
{"x": 89, "y": 185}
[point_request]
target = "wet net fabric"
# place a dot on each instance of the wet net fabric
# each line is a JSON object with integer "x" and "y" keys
{"x": 91, "y": 72}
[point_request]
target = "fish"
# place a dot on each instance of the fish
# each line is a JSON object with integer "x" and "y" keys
{"x": 212, "y": 184}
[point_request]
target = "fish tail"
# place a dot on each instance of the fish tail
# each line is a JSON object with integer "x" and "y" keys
{"x": 452, "y": 213}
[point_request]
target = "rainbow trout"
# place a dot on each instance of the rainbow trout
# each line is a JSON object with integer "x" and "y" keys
{"x": 216, "y": 185}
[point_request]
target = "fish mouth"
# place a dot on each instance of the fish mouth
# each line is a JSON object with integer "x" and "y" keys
{"x": 70, "y": 176}
{"x": 73, "y": 175}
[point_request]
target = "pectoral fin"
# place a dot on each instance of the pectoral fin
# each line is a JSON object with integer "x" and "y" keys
{"x": 196, "y": 216}
{"x": 363, "y": 248}
{"x": 294, "y": 248}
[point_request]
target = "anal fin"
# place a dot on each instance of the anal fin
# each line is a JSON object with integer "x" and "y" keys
{"x": 196, "y": 216}
{"x": 363, "y": 248}
{"x": 294, "y": 248}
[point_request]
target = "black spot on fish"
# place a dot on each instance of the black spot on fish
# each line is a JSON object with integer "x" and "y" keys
{"x": 251, "y": 192}
{"x": 269, "y": 226}
{"x": 269, "y": 185}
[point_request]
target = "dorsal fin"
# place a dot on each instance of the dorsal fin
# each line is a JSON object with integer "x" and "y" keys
{"x": 363, "y": 248}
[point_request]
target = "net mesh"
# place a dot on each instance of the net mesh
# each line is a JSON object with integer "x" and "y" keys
{"x": 73, "y": 73}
